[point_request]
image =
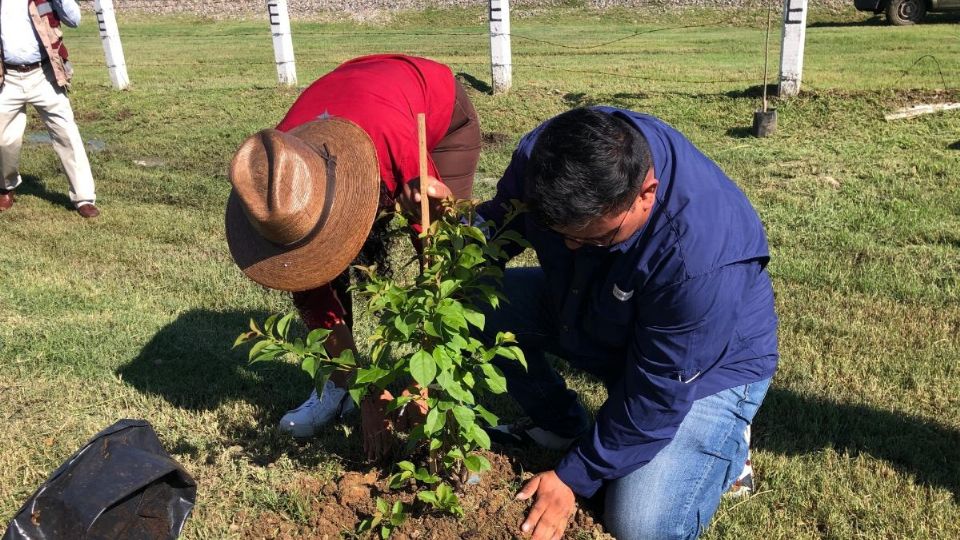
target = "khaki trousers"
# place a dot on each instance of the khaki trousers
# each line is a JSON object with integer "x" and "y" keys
{"x": 39, "y": 88}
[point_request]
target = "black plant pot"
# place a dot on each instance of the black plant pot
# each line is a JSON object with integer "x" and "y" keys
{"x": 764, "y": 123}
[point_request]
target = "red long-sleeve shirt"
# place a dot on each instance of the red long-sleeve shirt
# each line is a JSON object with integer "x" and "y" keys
{"x": 383, "y": 95}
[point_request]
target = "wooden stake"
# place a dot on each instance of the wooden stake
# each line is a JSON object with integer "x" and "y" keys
{"x": 424, "y": 173}
{"x": 766, "y": 54}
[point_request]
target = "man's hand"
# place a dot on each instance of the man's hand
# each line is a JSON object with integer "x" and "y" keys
{"x": 410, "y": 197}
{"x": 555, "y": 505}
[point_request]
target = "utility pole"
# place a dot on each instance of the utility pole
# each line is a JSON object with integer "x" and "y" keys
{"x": 791, "y": 48}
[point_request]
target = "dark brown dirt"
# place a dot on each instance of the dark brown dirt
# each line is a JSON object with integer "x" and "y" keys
{"x": 491, "y": 513}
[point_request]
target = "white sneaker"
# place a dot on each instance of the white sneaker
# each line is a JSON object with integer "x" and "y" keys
{"x": 317, "y": 412}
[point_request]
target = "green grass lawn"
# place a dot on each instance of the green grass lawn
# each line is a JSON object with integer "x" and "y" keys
{"x": 133, "y": 314}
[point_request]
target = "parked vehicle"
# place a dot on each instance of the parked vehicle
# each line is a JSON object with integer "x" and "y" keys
{"x": 904, "y": 12}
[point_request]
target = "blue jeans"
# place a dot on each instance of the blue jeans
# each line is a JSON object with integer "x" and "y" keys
{"x": 676, "y": 494}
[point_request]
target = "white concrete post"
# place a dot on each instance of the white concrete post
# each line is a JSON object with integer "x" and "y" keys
{"x": 501, "y": 65}
{"x": 282, "y": 42}
{"x": 791, "y": 46}
{"x": 112, "y": 48}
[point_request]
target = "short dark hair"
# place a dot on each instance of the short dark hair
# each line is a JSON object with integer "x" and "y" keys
{"x": 585, "y": 164}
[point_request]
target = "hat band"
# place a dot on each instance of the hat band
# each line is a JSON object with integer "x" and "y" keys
{"x": 331, "y": 174}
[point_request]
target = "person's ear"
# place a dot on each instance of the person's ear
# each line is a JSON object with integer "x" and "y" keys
{"x": 648, "y": 190}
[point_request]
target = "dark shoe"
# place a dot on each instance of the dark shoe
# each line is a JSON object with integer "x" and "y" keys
{"x": 524, "y": 432}
{"x": 6, "y": 199}
{"x": 88, "y": 211}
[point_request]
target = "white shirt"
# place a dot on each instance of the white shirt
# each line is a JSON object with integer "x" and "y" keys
{"x": 21, "y": 44}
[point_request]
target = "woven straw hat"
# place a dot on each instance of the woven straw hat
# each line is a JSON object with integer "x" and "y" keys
{"x": 302, "y": 203}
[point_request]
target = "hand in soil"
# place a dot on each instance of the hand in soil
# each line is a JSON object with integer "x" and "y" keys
{"x": 555, "y": 505}
{"x": 377, "y": 426}
{"x": 414, "y": 413}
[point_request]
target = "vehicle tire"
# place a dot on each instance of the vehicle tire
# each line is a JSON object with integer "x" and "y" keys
{"x": 906, "y": 12}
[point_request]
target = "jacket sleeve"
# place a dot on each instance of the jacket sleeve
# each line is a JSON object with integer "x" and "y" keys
{"x": 68, "y": 12}
{"x": 509, "y": 188}
{"x": 681, "y": 331}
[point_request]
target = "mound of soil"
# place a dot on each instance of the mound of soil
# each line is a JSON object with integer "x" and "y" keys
{"x": 491, "y": 513}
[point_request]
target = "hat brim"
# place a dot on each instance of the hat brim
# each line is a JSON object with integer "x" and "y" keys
{"x": 328, "y": 250}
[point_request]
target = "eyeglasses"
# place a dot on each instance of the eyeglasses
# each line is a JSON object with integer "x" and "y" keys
{"x": 606, "y": 241}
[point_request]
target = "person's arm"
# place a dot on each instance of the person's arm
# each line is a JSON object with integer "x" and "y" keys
{"x": 509, "y": 188}
{"x": 68, "y": 11}
{"x": 681, "y": 332}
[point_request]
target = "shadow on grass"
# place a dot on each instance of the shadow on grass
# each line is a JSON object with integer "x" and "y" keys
{"x": 792, "y": 424}
{"x": 877, "y": 20}
{"x": 740, "y": 132}
{"x": 34, "y": 187}
{"x": 190, "y": 364}
{"x": 754, "y": 92}
{"x": 954, "y": 146}
{"x": 475, "y": 83}
{"x": 625, "y": 100}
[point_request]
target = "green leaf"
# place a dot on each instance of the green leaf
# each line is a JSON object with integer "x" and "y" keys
{"x": 424, "y": 476}
{"x": 431, "y": 329}
{"x": 474, "y": 317}
{"x": 429, "y": 497}
{"x": 494, "y": 378}
{"x": 309, "y": 365}
{"x": 435, "y": 421}
{"x": 480, "y": 437}
{"x": 270, "y": 323}
{"x": 402, "y": 327}
{"x": 283, "y": 325}
{"x": 464, "y": 416}
{"x": 371, "y": 375}
{"x": 346, "y": 358}
{"x": 254, "y": 328}
{"x": 317, "y": 335}
{"x": 257, "y": 348}
{"x": 476, "y": 463}
{"x": 475, "y": 233}
{"x": 444, "y": 493}
{"x": 423, "y": 368}
{"x": 241, "y": 339}
{"x": 488, "y": 417}
{"x": 456, "y": 391}
{"x": 448, "y": 286}
{"x": 406, "y": 466}
{"x": 458, "y": 343}
{"x": 395, "y": 481}
{"x": 442, "y": 359}
{"x": 357, "y": 393}
{"x": 435, "y": 444}
{"x": 383, "y": 506}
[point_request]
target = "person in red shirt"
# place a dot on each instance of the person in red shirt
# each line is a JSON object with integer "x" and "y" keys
{"x": 381, "y": 95}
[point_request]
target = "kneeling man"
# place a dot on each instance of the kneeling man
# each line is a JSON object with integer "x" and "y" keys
{"x": 653, "y": 278}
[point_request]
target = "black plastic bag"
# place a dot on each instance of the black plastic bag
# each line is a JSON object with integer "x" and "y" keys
{"x": 122, "y": 484}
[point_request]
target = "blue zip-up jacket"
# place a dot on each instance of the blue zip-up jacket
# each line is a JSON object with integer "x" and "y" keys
{"x": 681, "y": 310}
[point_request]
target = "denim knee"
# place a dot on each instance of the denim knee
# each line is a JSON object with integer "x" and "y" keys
{"x": 651, "y": 522}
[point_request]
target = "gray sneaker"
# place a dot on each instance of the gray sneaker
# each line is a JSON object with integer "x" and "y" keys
{"x": 524, "y": 432}
{"x": 317, "y": 411}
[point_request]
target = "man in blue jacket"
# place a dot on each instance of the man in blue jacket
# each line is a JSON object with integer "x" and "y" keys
{"x": 653, "y": 278}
